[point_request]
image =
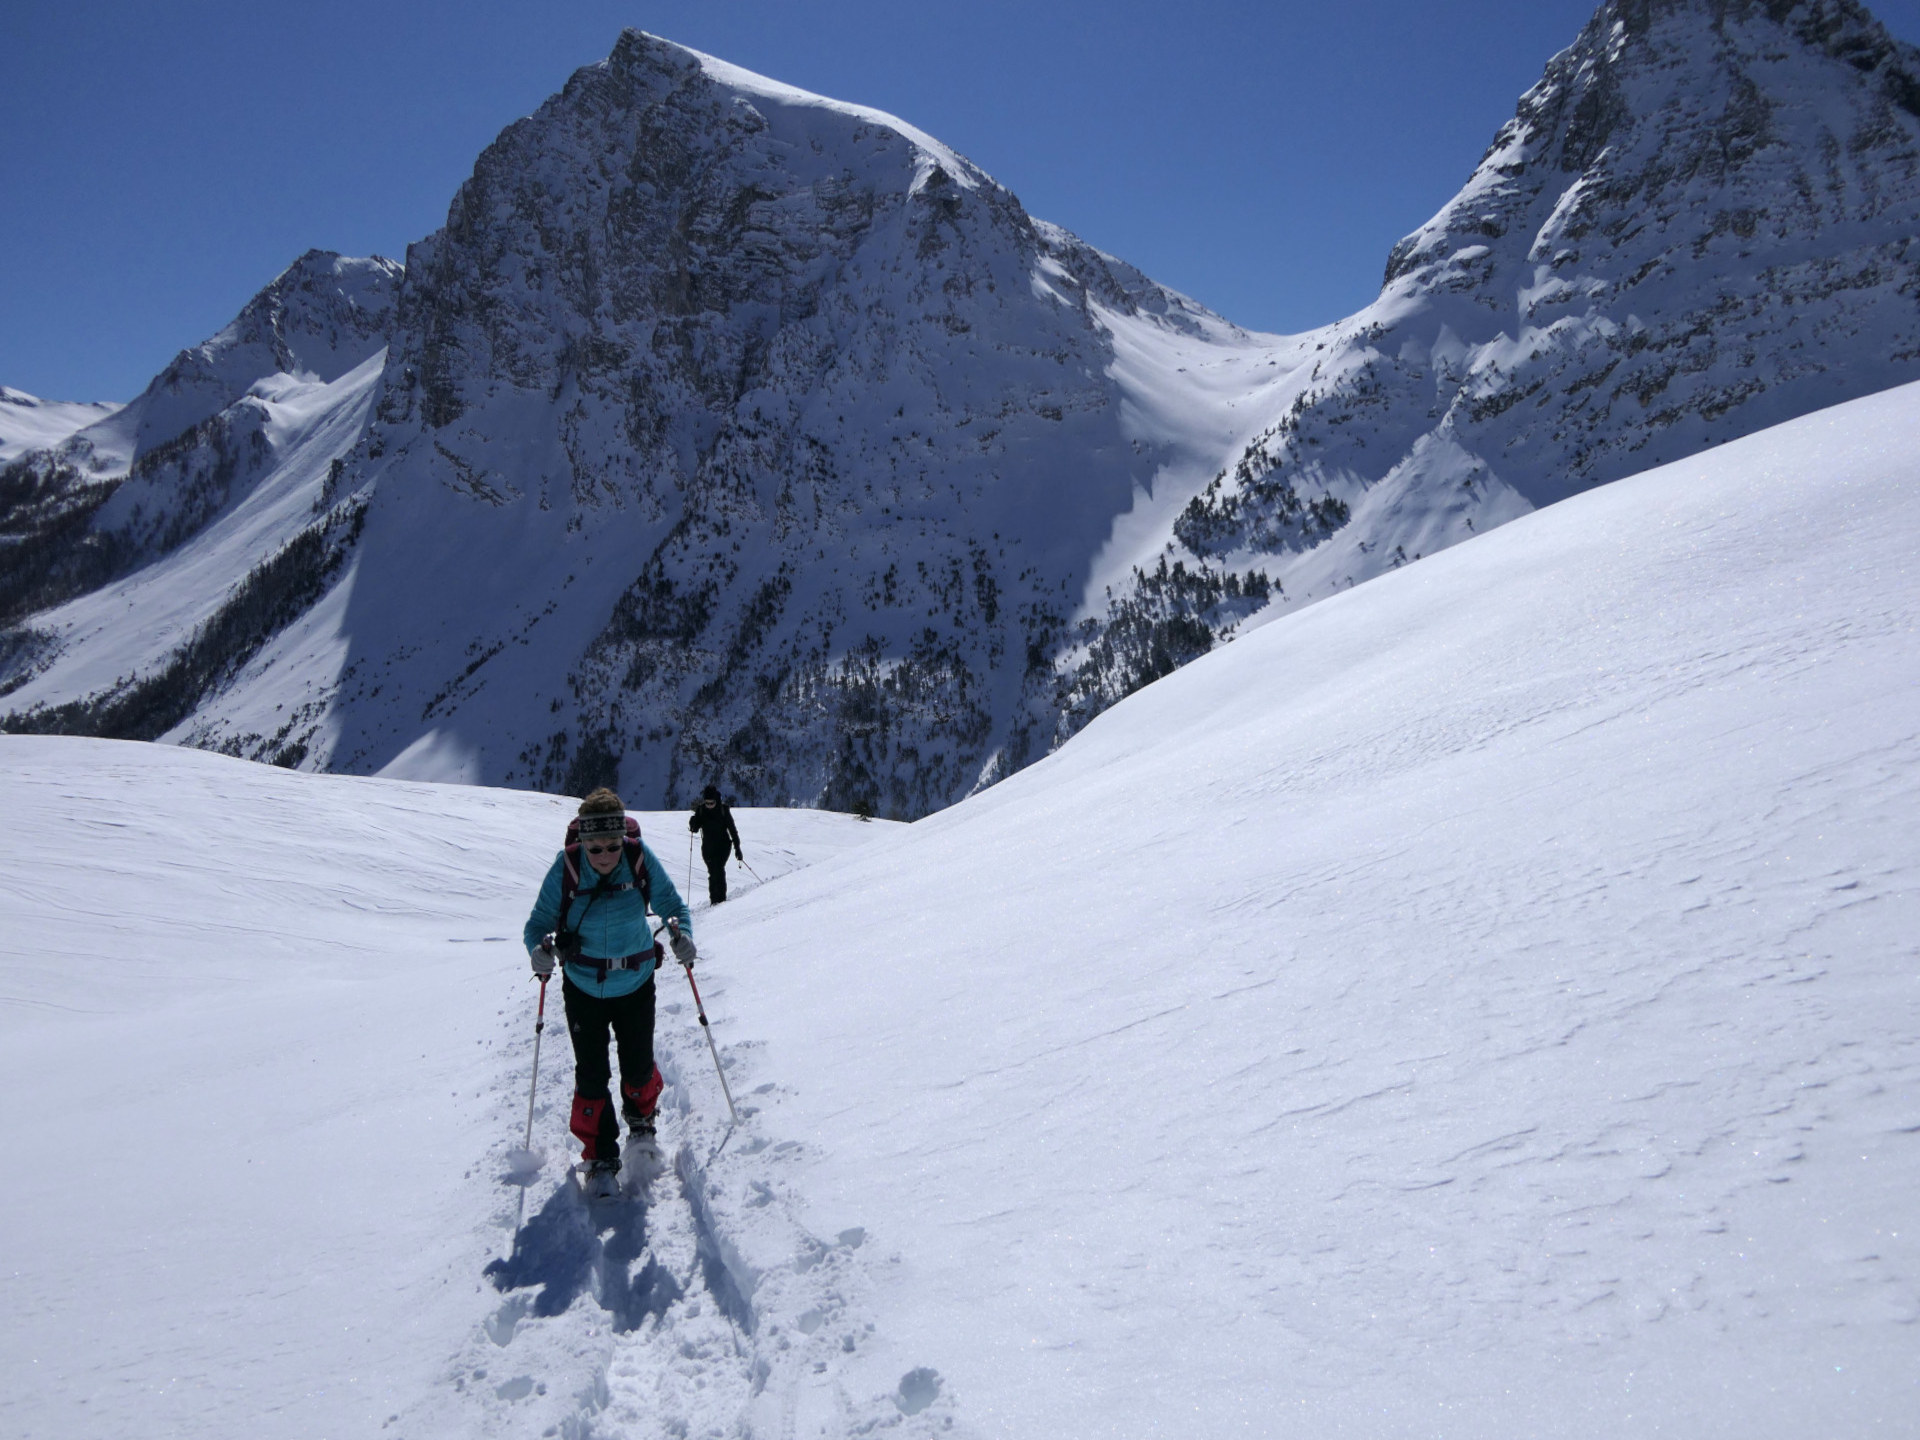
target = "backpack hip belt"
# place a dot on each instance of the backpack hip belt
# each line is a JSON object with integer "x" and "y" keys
{"x": 653, "y": 954}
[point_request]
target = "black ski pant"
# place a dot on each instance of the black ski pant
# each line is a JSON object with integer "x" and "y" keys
{"x": 589, "y": 1019}
{"x": 716, "y": 875}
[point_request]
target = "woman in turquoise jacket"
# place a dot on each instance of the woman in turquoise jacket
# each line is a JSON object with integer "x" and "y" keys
{"x": 606, "y": 946}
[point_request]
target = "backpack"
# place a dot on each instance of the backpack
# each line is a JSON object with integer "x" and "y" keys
{"x": 570, "y": 871}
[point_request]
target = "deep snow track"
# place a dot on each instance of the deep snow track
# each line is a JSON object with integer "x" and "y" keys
{"x": 647, "y": 1316}
{"x": 265, "y": 1038}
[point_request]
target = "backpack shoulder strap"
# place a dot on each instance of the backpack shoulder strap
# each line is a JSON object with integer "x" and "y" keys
{"x": 637, "y": 862}
{"x": 569, "y": 879}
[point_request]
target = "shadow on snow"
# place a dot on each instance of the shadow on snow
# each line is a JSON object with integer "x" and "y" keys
{"x": 571, "y": 1247}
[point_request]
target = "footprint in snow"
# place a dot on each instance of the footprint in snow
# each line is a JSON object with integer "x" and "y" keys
{"x": 918, "y": 1389}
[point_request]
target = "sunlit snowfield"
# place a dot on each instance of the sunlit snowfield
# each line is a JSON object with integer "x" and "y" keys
{"x": 1484, "y": 1003}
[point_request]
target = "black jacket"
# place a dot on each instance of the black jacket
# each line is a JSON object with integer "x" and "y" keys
{"x": 716, "y": 830}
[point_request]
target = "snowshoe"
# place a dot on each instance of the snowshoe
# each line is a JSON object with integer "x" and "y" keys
{"x": 601, "y": 1180}
{"x": 642, "y": 1148}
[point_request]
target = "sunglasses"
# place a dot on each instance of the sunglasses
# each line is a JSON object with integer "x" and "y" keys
{"x": 603, "y": 849}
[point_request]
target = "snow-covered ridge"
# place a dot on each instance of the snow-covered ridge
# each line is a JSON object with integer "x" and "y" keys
{"x": 760, "y": 87}
{"x": 320, "y": 317}
{"x": 254, "y": 497}
{"x": 132, "y": 486}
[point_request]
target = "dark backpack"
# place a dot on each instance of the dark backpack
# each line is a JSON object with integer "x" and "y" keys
{"x": 570, "y": 872}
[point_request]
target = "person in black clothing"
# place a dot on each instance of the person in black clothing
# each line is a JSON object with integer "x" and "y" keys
{"x": 712, "y": 821}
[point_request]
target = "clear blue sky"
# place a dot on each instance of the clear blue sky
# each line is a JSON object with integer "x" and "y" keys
{"x": 159, "y": 162}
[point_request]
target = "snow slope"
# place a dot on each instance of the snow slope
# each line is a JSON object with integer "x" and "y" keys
{"x": 30, "y": 423}
{"x": 304, "y": 426}
{"x": 1483, "y": 1003}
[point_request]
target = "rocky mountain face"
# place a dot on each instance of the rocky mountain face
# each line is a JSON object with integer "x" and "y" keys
{"x": 730, "y": 432}
{"x": 1705, "y": 219}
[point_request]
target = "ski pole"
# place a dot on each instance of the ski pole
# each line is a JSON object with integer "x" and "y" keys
{"x": 701, "y": 1011}
{"x": 689, "y": 869}
{"x": 539, "y": 1024}
{"x": 750, "y": 870}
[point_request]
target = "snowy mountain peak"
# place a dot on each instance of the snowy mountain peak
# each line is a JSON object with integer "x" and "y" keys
{"x": 144, "y": 478}
{"x": 319, "y": 318}
{"x": 796, "y": 430}
{"x": 1698, "y": 223}
{"x": 726, "y": 431}
{"x": 1652, "y": 97}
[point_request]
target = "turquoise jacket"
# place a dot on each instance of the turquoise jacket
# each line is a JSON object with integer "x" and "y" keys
{"x": 611, "y": 926}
